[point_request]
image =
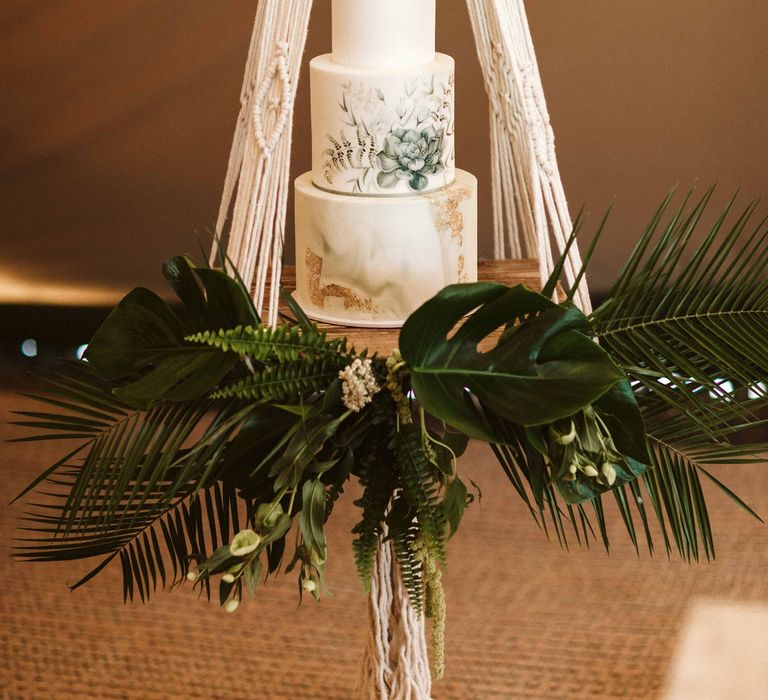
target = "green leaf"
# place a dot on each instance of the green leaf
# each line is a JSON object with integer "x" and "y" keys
{"x": 619, "y": 409}
{"x": 543, "y": 369}
{"x": 252, "y": 574}
{"x": 184, "y": 377}
{"x": 140, "y": 331}
{"x": 454, "y": 503}
{"x": 228, "y": 301}
{"x": 302, "y": 449}
{"x": 312, "y": 518}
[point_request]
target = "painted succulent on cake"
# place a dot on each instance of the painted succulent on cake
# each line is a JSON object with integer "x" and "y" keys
{"x": 389, "y": 138}
{"x": 411, "y": 155}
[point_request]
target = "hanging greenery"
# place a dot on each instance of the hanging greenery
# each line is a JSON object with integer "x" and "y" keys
{"x": 213, "y": 448}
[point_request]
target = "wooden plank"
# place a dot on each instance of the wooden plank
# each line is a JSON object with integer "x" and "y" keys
{"x": 384, "y": 340}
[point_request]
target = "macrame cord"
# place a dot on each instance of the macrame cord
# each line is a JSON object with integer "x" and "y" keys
{"x": 530, "y": 215}
{"x": 255, "y": 197}
{"x": 529, "y": 205}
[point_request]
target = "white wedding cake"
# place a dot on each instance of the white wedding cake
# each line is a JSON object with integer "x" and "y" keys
{"x": 384, "y": 220}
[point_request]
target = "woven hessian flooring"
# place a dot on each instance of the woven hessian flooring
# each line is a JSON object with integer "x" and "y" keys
{"x": 526, "y": 620}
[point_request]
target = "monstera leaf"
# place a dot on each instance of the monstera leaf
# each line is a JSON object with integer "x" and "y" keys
{"x": 542, "y": 369}
{"x": 141, "y": 347}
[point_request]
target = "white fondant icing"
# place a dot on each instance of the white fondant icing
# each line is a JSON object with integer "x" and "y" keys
{"x": 371, "y": 261}
{"x": 383, "y": 33}
{"x": 382, "y": 132}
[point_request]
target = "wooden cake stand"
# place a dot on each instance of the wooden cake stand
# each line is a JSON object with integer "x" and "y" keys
{"x": 384, "y": 340}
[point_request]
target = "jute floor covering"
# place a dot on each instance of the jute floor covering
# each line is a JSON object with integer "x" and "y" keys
{"x": 526, "y": 620}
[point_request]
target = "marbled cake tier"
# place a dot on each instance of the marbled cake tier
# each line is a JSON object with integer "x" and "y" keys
{"x": 383, "y": 33}
{"x": 371, "y": 261}
{"x": 382, "y": 132}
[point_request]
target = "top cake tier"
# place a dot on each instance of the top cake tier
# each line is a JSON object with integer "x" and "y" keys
{"x": 383, "y": 33}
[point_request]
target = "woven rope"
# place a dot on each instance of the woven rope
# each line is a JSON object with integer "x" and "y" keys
{"x": 395, "y": 662}
{"x": 258, "y": 176}
{"x": 529, "y": 205}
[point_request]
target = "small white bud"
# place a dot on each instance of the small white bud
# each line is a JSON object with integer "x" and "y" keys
{"x": 568, "y": 438}
{"x": 309, "y": 585}
{"x": 573, "y": 469}
{"x": 192, "y": 576}
{"x": 609, "y": 473}
{"x": 231, "y": 605}
{"x": 228, "y": 578}
{"x": 589, "y": 470}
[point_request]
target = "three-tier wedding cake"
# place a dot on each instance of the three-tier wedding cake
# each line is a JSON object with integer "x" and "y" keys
{"x": 385, "y": 219}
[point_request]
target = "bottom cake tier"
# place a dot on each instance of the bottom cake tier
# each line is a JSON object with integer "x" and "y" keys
{"x": 371, "y": 261}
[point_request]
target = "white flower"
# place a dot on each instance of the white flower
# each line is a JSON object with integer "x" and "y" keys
{"x": 228, "y": 578}
{"x": 359, "y": 384}
{"x": 231, "y": 605}
{"x": 589, "y": 470}
{"x": 309, "y": 585}
{"x": 192, "y": 576}
{"x": 245, "y": 542}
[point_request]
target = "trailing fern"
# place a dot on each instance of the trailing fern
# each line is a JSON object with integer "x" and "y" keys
{"x": 421, "y": 487}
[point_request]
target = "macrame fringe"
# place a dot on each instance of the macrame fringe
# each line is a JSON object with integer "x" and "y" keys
{"x": 529, "y": 204}
{"x": 258, "y": 175}
{"x": 395, "y": 664}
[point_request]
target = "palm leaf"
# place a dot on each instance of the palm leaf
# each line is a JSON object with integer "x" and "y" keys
{"x": 155, "y": 550}
{"x": 132, "y": 468}
{"x": 686, "y": 319}
{"x": 690, "y": 313}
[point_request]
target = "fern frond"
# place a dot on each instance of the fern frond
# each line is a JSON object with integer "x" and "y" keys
{"x": 345, "y": 155}
{"x": 404, "y": 533}
{"x": 286, "y": 343}
{"x": 378, "y": 485}
{"x": 283, "y": 381}
{"x": 421, "y": 486}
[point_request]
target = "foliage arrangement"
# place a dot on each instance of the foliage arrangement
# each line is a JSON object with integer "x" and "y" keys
{"x": 211, "y": 447}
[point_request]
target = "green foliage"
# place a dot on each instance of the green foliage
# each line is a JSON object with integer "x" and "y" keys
{"x": 192, "y": 424}
{"x": 140, "y": 348}
{"x": 420, "y": 489}
{"x": 685, "y": 315}
{"x": 688, "y": 312}
{"x": 286, "y": 343}
{"x": 313, "y": 515}
{"x": 404, "y": 534}
{"x": 539, "y": 371}
{"x": 378, "y": 476}
{"x": 283, "y": 381}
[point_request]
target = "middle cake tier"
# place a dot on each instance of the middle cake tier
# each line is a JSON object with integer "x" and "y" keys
{"x": 380, "y": 132}
{"x": 372, "y": 261}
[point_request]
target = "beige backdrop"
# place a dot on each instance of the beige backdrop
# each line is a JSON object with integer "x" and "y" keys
{"x": 117, "y": 116}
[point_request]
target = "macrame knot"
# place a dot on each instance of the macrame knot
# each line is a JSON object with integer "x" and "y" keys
{"x": 271, "y": 109}
{"x": 538, "y": 121}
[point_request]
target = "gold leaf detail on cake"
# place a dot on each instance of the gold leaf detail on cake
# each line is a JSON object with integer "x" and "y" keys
{"x": 446, "y": 207}
{"x": 319, "y": 292}
{"x": 460, "y": 275}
